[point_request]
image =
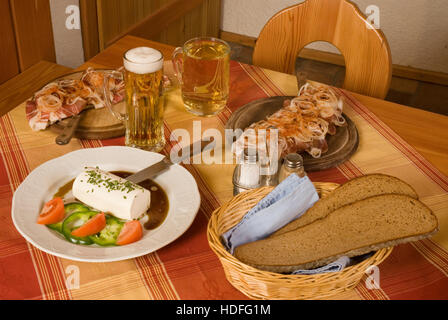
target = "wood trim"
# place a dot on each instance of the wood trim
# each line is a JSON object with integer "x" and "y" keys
{"x": 337, "y": 59}
{"x": 322, "y": 56}
{"x": 156, "y": 22}
{"x": 89, "y": 27}
{"x": 23, "y": 86}
{"x": 238, "y": 38}
{"x": 420, "y": 74}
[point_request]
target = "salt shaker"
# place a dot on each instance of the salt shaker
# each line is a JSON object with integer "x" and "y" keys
{"x": 293, "y": 164}
{"x": 247, "y": 173}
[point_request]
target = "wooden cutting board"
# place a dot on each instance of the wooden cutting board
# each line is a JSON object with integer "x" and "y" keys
{"x": 94, "y": 124}
{"x": 341, "y": 146}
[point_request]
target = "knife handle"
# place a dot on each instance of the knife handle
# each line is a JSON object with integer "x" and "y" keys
{"x": 67, "y": 134}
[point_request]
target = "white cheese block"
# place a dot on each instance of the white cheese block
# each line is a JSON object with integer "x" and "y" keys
{"x": 109, "y": 193}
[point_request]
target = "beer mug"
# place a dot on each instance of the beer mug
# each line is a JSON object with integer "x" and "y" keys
{"x": 202, "y": 66}
{"x": 143, "y": 74}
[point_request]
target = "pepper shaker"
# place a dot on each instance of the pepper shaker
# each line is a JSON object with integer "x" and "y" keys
{"x": 293, "y": 164}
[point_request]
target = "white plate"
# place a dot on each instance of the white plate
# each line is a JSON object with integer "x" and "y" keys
{"x": 44, "y": 182}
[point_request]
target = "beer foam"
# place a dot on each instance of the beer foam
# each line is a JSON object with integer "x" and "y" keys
{"x": 143, "y": 60}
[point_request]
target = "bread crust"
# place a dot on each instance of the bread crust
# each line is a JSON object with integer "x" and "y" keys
{"x": 356, "y": 251}
{"x": 303, "y": 220}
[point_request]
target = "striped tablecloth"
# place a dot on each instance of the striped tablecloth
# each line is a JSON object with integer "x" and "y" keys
{"x": 187, "y": 268}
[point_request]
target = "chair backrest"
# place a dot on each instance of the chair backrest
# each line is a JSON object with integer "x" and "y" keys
{"x": 339, "y": 22}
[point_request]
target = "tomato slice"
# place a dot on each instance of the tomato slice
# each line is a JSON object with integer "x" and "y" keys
{"x": 52, "y": 212}
{"x": 132, "y": 231}
{"x": 93, "y": 226}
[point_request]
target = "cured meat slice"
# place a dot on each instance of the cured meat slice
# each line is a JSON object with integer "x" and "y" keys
{"x": 302, "y": 123}
{"x": 65, "y": 98}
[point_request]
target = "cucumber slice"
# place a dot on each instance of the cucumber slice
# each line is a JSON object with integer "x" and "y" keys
{"x": 56, "y": 226}
{"x": 75, "y": 207}
{"x": 69, "y": 209}
{"x": 109, "y": 235}
{"x": 73, "y": 222}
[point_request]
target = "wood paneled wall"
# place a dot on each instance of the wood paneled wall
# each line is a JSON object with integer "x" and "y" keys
{"x": 116, "y": 16}
{"x": 26, "y": 35}
{"x": 33, "y": 31}
{"x": 8, "y": 53}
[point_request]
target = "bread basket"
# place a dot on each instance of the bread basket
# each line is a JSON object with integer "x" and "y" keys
{"x": 258, "y": 284}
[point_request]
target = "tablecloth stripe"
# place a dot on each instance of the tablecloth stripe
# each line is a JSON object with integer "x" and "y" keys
{"x": 48, "y": 268}
{"x": 17, "y": 276}
{"x": 407, "y": 274}
{"x": 425, "y": 167}
{"x": 262, "y": 80}
{"x": 209, "y": 201}
{"x": 436, "y": 255}
{"x": 156, "y": 277}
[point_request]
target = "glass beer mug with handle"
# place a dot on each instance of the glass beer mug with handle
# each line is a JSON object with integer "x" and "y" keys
{"x": 202, "y": 67}
{"x": 143, "y": 74}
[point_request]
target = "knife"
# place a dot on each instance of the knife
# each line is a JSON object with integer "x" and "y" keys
{"x": 69, "y": 130}
{"x": 164, "y": 164}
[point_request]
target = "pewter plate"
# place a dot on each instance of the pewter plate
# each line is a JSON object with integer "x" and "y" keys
{"x": 341, "y": 146}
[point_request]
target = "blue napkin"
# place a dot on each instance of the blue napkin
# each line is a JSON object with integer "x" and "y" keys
{"x": 335, "y": 266}
{"x": 287, "y": 202}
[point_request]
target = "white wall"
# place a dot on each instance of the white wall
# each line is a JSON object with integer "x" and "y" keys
{"x": 417, "y": 30}
{"x": 68, "y": 42}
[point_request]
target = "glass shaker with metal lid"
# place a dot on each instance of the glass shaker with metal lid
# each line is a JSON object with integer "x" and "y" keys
{"x": 247, "y": 173}
{"x": 293, "y": 164}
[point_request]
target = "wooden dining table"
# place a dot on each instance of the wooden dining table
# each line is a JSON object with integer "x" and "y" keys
{"x": 416, "y": 149}
{"x": 425, "y": 131}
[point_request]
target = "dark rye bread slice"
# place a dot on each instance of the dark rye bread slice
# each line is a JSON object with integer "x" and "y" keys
{"x": 350, "y": 192}
{"x": 355, "y": 229}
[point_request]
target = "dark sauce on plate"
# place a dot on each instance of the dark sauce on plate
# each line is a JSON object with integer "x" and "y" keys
{"x": 159, "y": 200}
{"x": 66, "y": 188}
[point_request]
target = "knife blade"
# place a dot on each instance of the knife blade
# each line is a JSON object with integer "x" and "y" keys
{"x": 164, "y": 164}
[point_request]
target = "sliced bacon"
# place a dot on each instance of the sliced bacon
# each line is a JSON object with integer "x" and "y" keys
{"x": 66, "y": 98}
{"x": 304, "y": 121}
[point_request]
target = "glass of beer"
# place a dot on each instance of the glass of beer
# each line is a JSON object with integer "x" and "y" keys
{"x": 202, "y": 66}
{"x": 143, "y": 117}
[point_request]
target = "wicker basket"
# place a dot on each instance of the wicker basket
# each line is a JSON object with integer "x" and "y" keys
{"x": 258, "y": 284}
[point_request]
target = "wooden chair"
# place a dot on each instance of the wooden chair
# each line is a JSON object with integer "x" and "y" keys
{"x": 365, "y": 49}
